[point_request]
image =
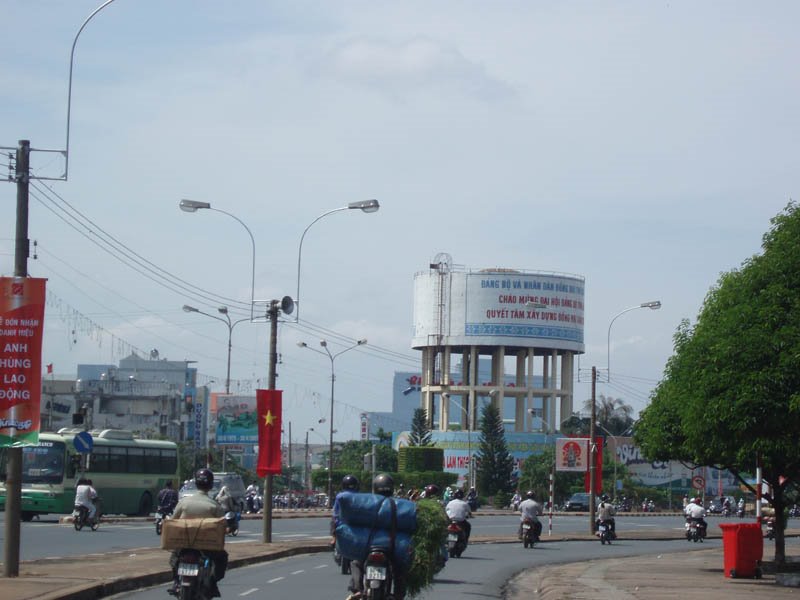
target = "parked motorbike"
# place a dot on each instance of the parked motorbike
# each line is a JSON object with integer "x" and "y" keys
{"x": 80, "y": 518}
{"x": 456, "y": 539}
{"x": 232, "y": 519}
{"x": 530, "y": 533}
{"x": 195, "y": 575}
{"x": 379, "y": 580}
{"x": 694, "y": 531}
{"x": 605, "y": 532}
{"x": 160, "y": 516}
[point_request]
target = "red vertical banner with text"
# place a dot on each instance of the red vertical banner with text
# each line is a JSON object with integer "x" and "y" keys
{"x": 269, "y": 406}
{"x": 21, "y": 329}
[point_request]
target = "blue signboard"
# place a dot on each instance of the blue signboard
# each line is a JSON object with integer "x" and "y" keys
{"x": 83, "y": 442}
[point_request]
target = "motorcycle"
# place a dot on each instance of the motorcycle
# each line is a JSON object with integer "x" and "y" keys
{"x": 740, "y": 511}
{"x": 726, "y": 511}
{"x": 530, "y": 533}
{"x": 770, "y": 523}
{"x": 456, "y": 539}
{"x": 378, "y": 575}
{"x": 605, "y": 532}
{"x": 80, "y": 518}
{"x": 694, "y": 531}
{"x": 195, "y": 575}
{"x": 232, "y": 519}
{"x": 254, "y": 503}
{"x": 342, "y": 562}
{"x": 160, "y": 516}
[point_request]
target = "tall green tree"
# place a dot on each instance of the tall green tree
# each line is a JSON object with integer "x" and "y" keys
{"x": 495, "y": 463}
{"x": 420, "y": 432}
{"x": 351, "y": 456}
{"x": 730, "y": 397}
{"x": 613, "y": 414}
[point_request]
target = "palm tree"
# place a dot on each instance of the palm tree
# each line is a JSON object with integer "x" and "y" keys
{"x": 614, "y": 414}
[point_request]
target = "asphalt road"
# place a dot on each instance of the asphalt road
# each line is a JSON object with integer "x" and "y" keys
{"x": 482, "y": 571}
{"x": 48, "y": 539}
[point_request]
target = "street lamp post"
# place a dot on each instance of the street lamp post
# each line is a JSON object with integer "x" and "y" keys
{"x": 193, "y": 206}
{"x": 332, "y": 358}
{"x": 654, "y": 305}
{"x": 367, "y": 206}
{"x": 223, "y": 310}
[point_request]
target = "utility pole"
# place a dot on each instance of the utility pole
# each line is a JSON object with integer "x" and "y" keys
{"x": 274, "y": 307}
{"x": 306, "y": 483}
{"x": 289, "y": 464}
{"x": 592, "y": 454}
{"x": 14, "y": 469}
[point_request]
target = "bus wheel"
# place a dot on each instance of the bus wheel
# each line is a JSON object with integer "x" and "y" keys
{"x": 27, "y": 515}
{"x": 145, "y": 503}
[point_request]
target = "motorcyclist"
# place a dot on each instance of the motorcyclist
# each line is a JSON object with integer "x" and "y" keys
{"x": 401, "y": 491}
{"x": 86, "y": 495}
{"x": 167, "y": 499}
{"x": 740, "y": 507}
{"x": 383, "y": 485}
{"x": 230, "y": 505}
{"x": 432, "y": 491}
{"x": 349, "y": 486}
{"x": 530, "y": 510}
{"x": 472, "y": 499}
{"x": 694, "y": 511}
{"x": 605, "y": 513}
{"x": 726, "y": 505}
{"x": 448, "y": 494}
{"x": 458, "y": 510}
{"x": 197, "y": 506}
{"x": 516, "y": 499}
{"x": 251, "y": 498}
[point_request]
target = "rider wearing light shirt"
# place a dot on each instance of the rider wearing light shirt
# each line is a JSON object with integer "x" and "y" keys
{"x": 530, "y": 510}
{"x": 695, "y": 511}
{"x": 458, "y": 510}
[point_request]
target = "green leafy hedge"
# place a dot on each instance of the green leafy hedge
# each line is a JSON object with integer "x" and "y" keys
{"x": 420, "y": 458}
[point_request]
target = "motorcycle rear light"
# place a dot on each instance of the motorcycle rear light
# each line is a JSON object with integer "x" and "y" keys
{"x": 377, "y": 557}
{"x": 453, "y": 528}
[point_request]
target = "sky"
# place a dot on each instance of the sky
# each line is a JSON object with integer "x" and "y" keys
{"x": 644, "y": 146}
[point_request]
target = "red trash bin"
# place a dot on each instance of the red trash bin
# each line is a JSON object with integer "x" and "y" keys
{"x": 743, "y": 549}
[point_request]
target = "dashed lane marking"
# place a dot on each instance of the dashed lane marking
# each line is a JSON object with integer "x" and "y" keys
{"x": 276, "y": 579}
{"x": 321, "y": 567}
{"x": 298, "y": 572}
{"x": 248, "y": 592}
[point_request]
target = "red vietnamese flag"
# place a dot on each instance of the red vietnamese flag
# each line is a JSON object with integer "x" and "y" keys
{"x": 268, "y": 404}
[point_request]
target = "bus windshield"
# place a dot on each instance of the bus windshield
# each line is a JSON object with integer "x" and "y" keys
{"x": 43, "y": 463}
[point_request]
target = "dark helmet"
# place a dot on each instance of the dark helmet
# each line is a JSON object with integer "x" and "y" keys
{"x": 604, "y": 497}
{"x": 204, "y": 479}
{"x": 529, "y": 495}
{"x": 350, "y": 482}
{"x": 458, "y": 494}
{"x": 432, "y": 491}
{"x": 383, "y": 484}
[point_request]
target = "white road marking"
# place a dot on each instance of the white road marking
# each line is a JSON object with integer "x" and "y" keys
{"x": 248, "y": 592}
{"x": 276, "y": 579}
{"x": 298, "y": 572}
{"x": 321, "y": 567}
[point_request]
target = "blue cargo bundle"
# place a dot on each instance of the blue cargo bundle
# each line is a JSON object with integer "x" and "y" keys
{"x": 372, "y": 510}
{"x": 366, "y": 522}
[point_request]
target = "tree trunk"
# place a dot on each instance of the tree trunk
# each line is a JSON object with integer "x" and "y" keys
{"x": 780, "y": 524}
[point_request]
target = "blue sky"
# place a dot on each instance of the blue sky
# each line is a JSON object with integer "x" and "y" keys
{"x": 644, "y": 146}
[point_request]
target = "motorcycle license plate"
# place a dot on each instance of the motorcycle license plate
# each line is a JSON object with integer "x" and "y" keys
{"x": 452, "y": 537}
{"x": 526, "y": 527}
{"x": 374, "y": 572}
{"x": 188, "y": 569}
{"x": 602, "y": 527}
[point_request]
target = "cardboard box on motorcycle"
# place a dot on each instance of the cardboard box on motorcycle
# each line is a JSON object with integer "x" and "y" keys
{"x": 202, "y": 534}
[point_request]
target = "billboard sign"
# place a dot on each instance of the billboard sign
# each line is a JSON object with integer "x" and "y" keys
{"x": 572, "y": 454}
{"x": 236, "y": 419}
{"x": 21, "y": 329}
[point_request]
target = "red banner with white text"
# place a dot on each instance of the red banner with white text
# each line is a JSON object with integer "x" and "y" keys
{"x": 21, "y": 329}
{"x": 269, "y": 406}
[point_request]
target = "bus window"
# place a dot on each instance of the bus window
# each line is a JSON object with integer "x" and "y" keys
{"x": 152, "y": 460}
{"x": 99, "y": 460}
{"x": 135, "y": 460}
{"x": 116, "y": 459}
{"x": 43, "y": 463}
{"x": 169, "y": 461}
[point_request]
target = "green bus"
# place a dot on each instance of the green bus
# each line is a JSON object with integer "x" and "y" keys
{"x": 127, "y": 472}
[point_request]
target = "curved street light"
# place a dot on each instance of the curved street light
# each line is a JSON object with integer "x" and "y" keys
{"x": 332, "y": 358}
{"x": 654, "y": 305}
{"x": 367, "y": 206}
{"x": 193, "y": 206}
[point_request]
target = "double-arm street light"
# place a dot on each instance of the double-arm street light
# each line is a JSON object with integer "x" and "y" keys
{"x": 367, "y": 206}
{"x": 332, "y": 358}
{"x": 193, "y": 206}
{"x": 223, "y": 310}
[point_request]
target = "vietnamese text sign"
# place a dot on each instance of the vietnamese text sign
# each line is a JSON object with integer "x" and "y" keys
{"x": 21, "y": 327}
